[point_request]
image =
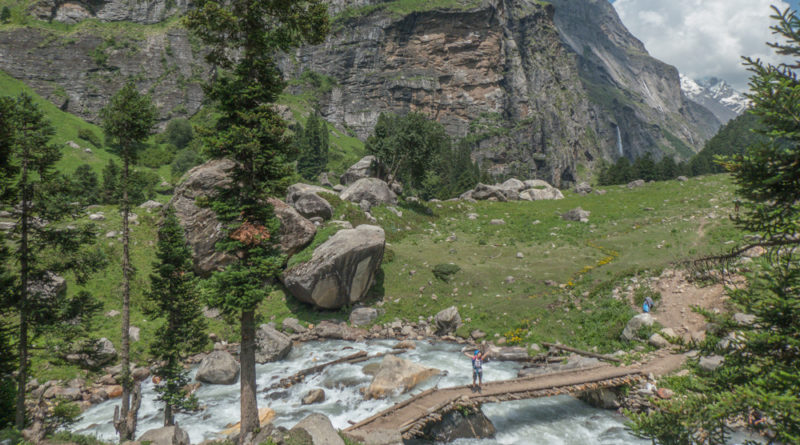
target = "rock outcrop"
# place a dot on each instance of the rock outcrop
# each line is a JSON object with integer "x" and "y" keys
{"x": 218, "y": 368}
{"x": 396, "y": 375}
{"x": 321, "y": 430}
{"x": 447, "y": 320}
{"x": 202, "y": 228}
{"x": 168, "y": 435}
{"x": 367, "y": 167}
{"x": 372, "y": 190}
{"x": 514, "y": 190}
{"x": 341, "y": 270}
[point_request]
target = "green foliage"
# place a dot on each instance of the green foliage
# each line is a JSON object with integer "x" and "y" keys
{"x": 173, "y": 295}
{"x": 5, "y": 15}
{"x": 64, "y": 414}
{"x": 77, "y": 439}
{"x": 90, "y": 136}
{"x": 323, "y": 234}
{"x": 406, "y": 145}
{"x": 445, "y": 271}
{"x": 155, "y": 156}
{"x": 731, "y": 140}
{"x": 142, "y": 185}
{"x": 86, "y": 185}
{"x": 179, "y": 132}
{"x": 623, "y": 172}
{"x": 759, "y": 377}
{"x": 184, "y": 160}
{"x": 312, "y": 144}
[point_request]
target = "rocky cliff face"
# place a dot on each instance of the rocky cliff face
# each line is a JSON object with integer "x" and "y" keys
{"x": 537, "y": 88}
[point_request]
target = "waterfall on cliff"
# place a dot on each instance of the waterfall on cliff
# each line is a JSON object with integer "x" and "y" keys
{"x": 619, "y": 142}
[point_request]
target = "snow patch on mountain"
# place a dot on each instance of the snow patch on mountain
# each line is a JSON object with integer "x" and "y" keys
{"x": 717, "y": 95}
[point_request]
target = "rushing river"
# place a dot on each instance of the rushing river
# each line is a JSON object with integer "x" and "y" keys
{"x": 555, "y": 420}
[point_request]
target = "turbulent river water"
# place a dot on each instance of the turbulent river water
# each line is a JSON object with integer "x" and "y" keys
{"x": 555, "y": 420}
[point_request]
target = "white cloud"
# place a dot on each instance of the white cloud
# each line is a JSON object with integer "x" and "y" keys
{"x": 703, "y": 37}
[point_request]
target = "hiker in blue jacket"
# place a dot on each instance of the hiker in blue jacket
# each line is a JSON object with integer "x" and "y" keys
{"x": 477, "y": 366}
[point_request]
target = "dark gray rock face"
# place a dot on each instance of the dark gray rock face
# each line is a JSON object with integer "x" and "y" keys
{"x": 341, "y": 269}
{"x": 80, "y": 71}
{"x": 458, "y": 425}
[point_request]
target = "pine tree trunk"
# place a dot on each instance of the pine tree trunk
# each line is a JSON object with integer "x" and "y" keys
{"x": 127, "y": 383}
{"x": 169, "y": 417}
{"x": 22, "y": 377}
{"x": 247, "y": 359}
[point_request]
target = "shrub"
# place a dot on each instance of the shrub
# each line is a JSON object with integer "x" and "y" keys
{"x": 445, "y": 271}
{"x": 179, "y": 133}
{"x": 90, "y": 136}
{"x": 5, "y": 15}
{"x": 155, "y": 156}
{"x": 183, "y": 161}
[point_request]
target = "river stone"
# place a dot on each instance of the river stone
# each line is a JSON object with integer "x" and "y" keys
{"x": 396, "y": 375}
{"x": 603, "y": 398}
{"x": 447, "y": 320}
{"x": 293, "y": 326}
{"x": 321, "y": 430}
{"x": 458, "y": 425}
{"x": 168, "y": 435}
{"x": 364, "y": 168}
{"x": 271, "y": 345}
{"x": 314, "y": 396}
{"x": 218, "y": 368}
{"x": 202, "y": 228}
{"x": 295, "y": 191}
{"x": 632, "y": 328}
{"x": 583, "y": 188}
{"x": 363, "y": 316}
{"x": 311, "y": 205}
{"x": 372, "y": 190}
{"x": 340, "y": 271}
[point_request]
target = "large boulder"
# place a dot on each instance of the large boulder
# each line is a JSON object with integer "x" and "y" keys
{"x": 341, "y": 270}
{"x": 321, "y": 430}
{"x": 49, "y": 287}
{"x": 631, "y": 330}
{"x": 484, "y": 192}
{"x": 311, "y": 205}
{"x": 202, "y": 228}
{"x": 372, "y": 190}
{"x": 513, "y": 184}
{"x": 447, "y": 320}
{"x": 218, "y": 368}
{"x": 295, "y": 191}
{"x": 544, "y": 194}
{"x": 583, "y": 188}
{"x": 469, "y": 423}
{"x": 396, "y": 375}
{"x": 93, "y": 354}
{"x": 636, "y": 183}
{"x": 367, "y": 167}
{"x": 271, "y": 345}
{"x": 338, "y": 331}
{"x": 168, "y": 435}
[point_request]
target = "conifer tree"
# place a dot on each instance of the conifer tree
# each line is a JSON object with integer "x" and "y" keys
{"x": 243, "y": 37}
{"x": 37, "y": 195}
{"x": 759, "y": 377}
{"x": 127, "y": 120}
{"x": 174, "y": 296}
{"x": 312, "y": 143}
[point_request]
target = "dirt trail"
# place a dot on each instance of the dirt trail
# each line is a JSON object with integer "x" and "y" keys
{"x": 678, "y": 296}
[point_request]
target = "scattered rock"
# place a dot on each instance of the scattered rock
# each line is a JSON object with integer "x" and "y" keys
{"x": 271, "y": 345}
{"x": 665, "y": 393}
{"x": 372, "y": 190}
{"x": 150, "y": 205}
{"x": 49, "y": 287}
{"x": 365, "y": 168}
{"x": 133, "y": 332}
{"x": 218, "y": 368}
{"x": 314, "y": 396}
{"x": 603, "y": 398}
{"x": 363, "y": 316}
{"x": 405, "y": 345}
{"x": 292, "y": 325}
{"x": 97, "y": 217}
{"x": 576, "y": 214}
{"x": 168, "y": 435}
{"x": 321, "y": 430}
{"x": 632, "y": 328}
{"x": 583, "y": 188}
{"x": 311, "y": 205}
{"x": 682, "y": 179}
{"x": 338, "y": 331}
{"x": 636, "y": 183}
{"x": 710, "y": 363}
{"x": 296, "y": 191}
{"x": 324, "y": 180}
{"x": 744, "y": 319}
{"x": 341, "y": 270}
{"x": 397, "y": 375}
{"x": 447, "y": 320}
{"x": 656, "y": 340}
{"x": 497, "y": 222}
{"x": 485, "y": 192}
{"x": 477, "y": 334}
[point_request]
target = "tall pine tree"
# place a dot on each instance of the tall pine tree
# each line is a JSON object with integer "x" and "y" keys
{"x": 312, "y": 143}
{"x": 127, "y": 120}
{"x": 174, "y": 296}
{"x": 243, "y": 38}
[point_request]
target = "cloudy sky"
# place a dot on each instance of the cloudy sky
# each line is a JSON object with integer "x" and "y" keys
{"x": 703, "y": 37}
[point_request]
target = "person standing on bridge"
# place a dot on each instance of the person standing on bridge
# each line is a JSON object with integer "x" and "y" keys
{"x": 477, "y": 366}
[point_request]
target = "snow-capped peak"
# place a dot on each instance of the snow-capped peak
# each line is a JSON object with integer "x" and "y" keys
{"x": 716, "y": 95}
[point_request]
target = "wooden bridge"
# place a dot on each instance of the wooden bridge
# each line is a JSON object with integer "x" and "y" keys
{"x": 411, "y": 416}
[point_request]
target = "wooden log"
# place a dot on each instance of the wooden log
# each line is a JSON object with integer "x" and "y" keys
{"x": 580, "y": 352}
{"x": 392, "y": 409}
{"x": 300, "y": 375}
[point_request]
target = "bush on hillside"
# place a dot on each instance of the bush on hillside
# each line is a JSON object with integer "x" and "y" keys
{"x": 90, "y": 137}
{"x": 445, "y": 271}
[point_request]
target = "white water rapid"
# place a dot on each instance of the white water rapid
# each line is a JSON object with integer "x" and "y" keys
{"x": 556, "y": 420}
{"x": 619, "y": 142}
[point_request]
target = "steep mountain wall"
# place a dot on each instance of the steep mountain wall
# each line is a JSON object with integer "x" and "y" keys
{"x": 537, "y": 89}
